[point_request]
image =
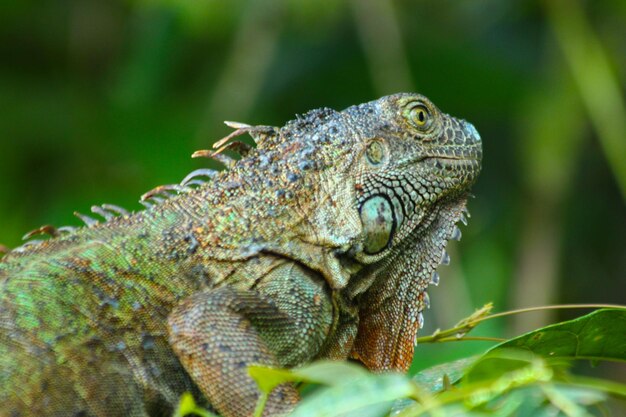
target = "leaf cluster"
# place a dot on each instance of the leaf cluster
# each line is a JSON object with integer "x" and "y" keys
{"x": 529, "y": 375}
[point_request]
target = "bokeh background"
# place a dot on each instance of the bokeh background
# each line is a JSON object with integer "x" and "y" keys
{"x": 101, "y": 100}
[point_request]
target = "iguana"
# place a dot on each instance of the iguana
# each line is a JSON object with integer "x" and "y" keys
{"x": 319, "y": 242}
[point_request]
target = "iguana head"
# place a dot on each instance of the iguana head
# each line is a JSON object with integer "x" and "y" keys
{"x": 412, "y": 159}
{"x": 352, "y": 188}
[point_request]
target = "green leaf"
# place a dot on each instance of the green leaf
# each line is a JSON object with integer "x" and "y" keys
{"x": 269, "y": 378}
{"x": 331, "y": 372}
{"x": 188, "y": 406}
{"x": 432, "y": 379}
{"x": 369, "y": 395}
{"x": 502, "y": 371}
{"x": 322, "y": 372}
{"x": 600, "y": 335}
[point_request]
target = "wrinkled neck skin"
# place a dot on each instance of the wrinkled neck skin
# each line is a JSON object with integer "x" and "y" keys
{"x": 391, "y": 293}
{"x": 427, "y": 240}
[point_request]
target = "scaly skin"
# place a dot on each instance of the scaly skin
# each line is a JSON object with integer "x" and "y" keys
{"x": 319, "y": 243}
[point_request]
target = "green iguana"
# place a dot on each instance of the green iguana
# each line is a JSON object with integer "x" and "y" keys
{"x": 319, "y": 242}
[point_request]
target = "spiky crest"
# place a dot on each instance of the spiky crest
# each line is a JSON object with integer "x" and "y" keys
{"x": 225, "y": 160}
{"x": 193, "y": 178}
{"x": 162, "y": 193}
{"x": 89, "y": 221}
{"x": 43, "y": 230}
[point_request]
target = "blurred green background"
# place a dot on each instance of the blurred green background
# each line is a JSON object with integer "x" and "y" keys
{"x": 101, "y": 100}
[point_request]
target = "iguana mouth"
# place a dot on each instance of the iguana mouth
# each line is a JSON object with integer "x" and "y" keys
{"x": 452, "y": 165}
{"x": 456, "y": 161}
{"x": 461, "y": 147}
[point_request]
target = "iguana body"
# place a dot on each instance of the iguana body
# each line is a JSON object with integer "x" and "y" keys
{"x": 319, "y": 243}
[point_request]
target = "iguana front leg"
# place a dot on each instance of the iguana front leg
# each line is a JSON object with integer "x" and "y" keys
{"x": 283, "y": 321}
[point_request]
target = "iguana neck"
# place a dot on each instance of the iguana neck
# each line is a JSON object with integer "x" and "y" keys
{"x": 427, "y": 242}
{"x": 390, "y": 309}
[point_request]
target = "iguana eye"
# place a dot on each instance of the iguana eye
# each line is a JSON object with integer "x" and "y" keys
{"x": 378, "y": 222}
{"x": 420, "y": 117}
{"x": 375, "y": 153}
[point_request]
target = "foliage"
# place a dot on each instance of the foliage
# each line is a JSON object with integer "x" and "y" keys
{"x": 525, "y": 376}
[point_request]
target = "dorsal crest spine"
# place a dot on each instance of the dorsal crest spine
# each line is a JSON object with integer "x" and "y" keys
{"x": 162, "y": 193}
